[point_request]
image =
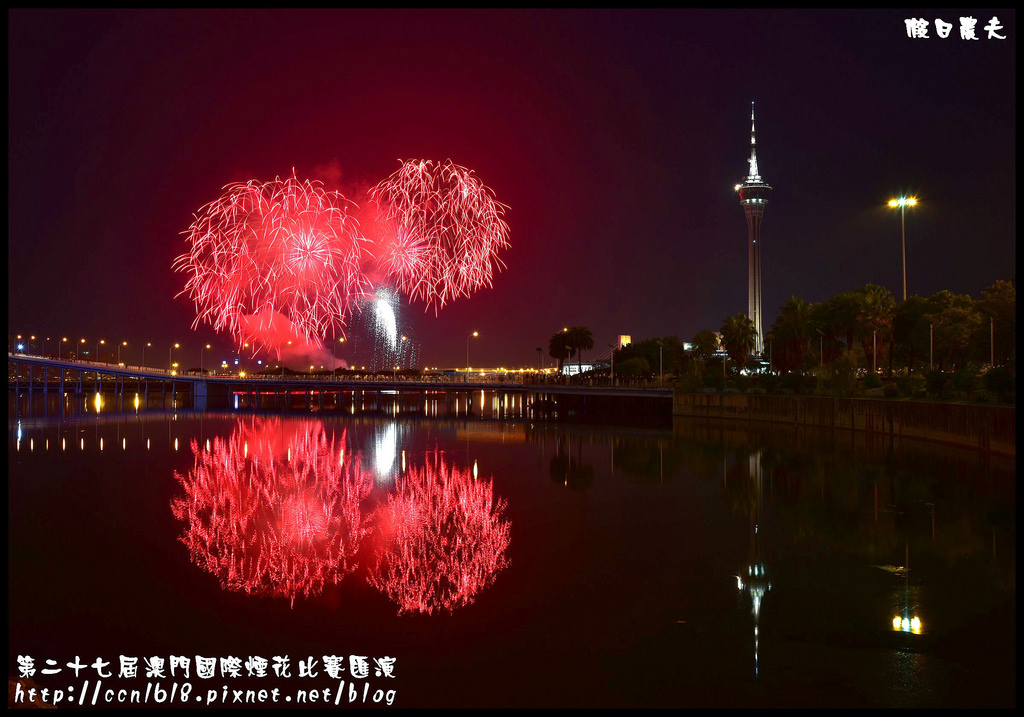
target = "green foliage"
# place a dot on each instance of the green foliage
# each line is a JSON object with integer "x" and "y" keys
{"x": 688, "y": 384}
{"x": 559, "y": 348}
{"x": 580, "y": 339}
{"x": 872, "y": 380}
{"x": 967, "y": 379}
{"x": 739, "y": 338}
{"x": 790, "y": 335}
{"x": 845, "y": 373}
{"x": 769, "y": 383}
{"x": 795, "y": 382}
{"x": 636, "y": 366}
{"x": 714, "y": 379}
{"x": 935, "y": 383}
{"x": 705, "y": 343}
{"x": 1000, "y": 381}
{"x": 910, "y": 385}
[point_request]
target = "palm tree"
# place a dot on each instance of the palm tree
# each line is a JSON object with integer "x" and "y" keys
{"x": 581, "y": 339}
{"x": 874, "y": 322}
{"x": 791, "y": 334}
{"x": 559, "y": 349}
{"x": 739, "y": 338}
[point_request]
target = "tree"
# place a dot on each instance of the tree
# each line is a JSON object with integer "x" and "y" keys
{"x": 791, "y": 334}
{"x": 705, "y": 343}
{"x": 874, "y": 320}
{"x": 954, "y": 321}
{"x": 910, "y": 331}
{"x": 581, "y": 339}
{"x": 559, "y": 349}
{"x": 739, "y": 338}
{"x": 999, "y": 305}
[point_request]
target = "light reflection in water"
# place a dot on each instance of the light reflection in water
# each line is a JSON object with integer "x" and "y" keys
{"x": 268, "y": 524}
{"x": 442, "y": 539}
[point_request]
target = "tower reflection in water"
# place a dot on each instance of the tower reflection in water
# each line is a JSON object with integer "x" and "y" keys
{"x": 754, "y": 579}
{"x": 280, "y": 509}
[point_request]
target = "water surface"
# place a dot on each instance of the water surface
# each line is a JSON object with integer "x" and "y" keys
{"x": 507, "y": 563}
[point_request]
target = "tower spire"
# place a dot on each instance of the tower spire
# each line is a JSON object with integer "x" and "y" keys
{"x": 753, "y": 175}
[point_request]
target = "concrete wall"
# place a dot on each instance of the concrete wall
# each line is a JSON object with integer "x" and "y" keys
{"x": 987, "y": 428}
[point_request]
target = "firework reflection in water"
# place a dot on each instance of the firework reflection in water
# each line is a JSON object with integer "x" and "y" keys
{"x": 441, "y": 539}
{"x": 275, "y": 509}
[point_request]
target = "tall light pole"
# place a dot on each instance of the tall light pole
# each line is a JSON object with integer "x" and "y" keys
{"x": 144, "y": 353}
{"x": 101, "y": 341}
{"x": 201, "y": 349}
{"x": 80, "y": 349}
{"x": 992, "y": 341}
{"x": 339, "y": 341}
{"x": 60, "y": 348}
{"x": 931, "y": 341}
{"x": 123, "y": 343}
{"x": 903, "y": 203}
{"x": 475, "y": 333}
{"x": 170, "y": 365}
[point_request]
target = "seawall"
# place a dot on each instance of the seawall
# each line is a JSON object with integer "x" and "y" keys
{"x": 986, "y": 428}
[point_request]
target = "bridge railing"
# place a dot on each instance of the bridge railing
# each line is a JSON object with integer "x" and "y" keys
{"x": 510, "y": 379}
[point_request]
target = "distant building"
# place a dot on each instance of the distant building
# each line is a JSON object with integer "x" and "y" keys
{"x": 625, "y": 340}
{"x": 571, "y": 369}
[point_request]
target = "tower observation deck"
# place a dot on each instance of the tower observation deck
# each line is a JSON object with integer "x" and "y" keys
{"x": 754, "y": 193}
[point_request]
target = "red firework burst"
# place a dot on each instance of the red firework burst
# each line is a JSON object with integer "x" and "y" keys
{"x": 276, "y": 258}
{"x": 446, "y": 231}
{"x": 442, "y": 540}
{"x": 275, "y": 509}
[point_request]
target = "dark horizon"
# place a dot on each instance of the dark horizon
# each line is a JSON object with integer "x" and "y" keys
{"x": 615, "y": 137}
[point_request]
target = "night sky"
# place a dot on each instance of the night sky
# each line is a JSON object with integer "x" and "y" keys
{"x": 614, "y": 137}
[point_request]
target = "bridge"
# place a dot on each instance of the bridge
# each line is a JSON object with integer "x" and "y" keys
{"x": 45, "y": 373}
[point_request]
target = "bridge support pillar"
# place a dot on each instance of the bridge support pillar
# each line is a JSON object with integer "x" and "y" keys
{"x": 199, "y": 393}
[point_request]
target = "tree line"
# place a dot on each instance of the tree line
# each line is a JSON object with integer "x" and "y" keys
{"x": 865, "y": 328}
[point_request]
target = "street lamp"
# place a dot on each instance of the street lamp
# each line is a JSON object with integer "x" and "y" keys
{"x": 475, "y": 333}
{"x": 903, "y": 203}
{"x": 339, "y": 341}
{"x": 60, "y": 348}
{"x": 79, "y": 356}
{"x": 123, "y": 343}
{"x": 201, "y": 349}
{"x": 101, "y": 341}
{"x": 144, "y": 353}
{"x": 169, "y": 360}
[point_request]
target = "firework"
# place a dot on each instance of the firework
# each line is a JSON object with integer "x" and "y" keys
{"x": 270, "y": 261}
{"x": 380, "y": 340}
{"x": 442, "y": 540}
{"x": 446, "y": 231}
{"x": 274, "y": 510}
